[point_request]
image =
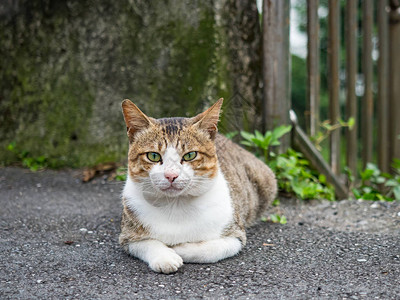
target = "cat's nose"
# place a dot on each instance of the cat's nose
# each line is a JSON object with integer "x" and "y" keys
{"x": 171, "y": 176}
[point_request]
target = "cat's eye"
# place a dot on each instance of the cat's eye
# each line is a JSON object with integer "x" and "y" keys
{"x": 189, "y": 156}
{"x": 153, "y": 156}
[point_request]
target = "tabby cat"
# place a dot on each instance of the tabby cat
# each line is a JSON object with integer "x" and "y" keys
{"x": 190, "y": 192}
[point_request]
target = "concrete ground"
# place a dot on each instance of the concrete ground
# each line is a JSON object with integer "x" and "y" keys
{"x": 58, "y": 240}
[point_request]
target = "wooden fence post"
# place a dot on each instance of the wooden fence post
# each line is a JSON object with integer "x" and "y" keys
{"x": 334, "y": 86}
{"x": 394, "y": 78}
{"x": 313, "y": 65}
{"x": 383, "y": 87}
{"x": 276, "y": 64}
{"x": 351, "y": 78}
{"x": 368, "y": 101}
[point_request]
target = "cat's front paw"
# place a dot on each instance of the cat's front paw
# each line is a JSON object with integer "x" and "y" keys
{"x": 166, "y": 262}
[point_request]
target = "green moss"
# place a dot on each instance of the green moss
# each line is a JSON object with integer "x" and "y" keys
{"x": 174, "y": 58}
{"x": 66, "y": 69}
{"x": 50, "y": 113}
{"x": 48, "y": 100}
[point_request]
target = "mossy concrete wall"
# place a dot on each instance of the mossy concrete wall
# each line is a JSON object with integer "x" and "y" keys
{"x": 67, "y": 65}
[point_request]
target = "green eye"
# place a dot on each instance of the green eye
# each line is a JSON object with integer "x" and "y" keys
{"x": 153, "y": 156}
{"x": 190, "y": 156}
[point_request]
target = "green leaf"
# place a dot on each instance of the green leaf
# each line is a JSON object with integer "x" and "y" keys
{"x": 280, "y": 131}
{"x": 298, "y": 188}
{"x": 259, "y": 143}
{"x": 41, "y": 159}
{"x": 374, "y": 168}
{"x": 247, "y": 143}
{"x": 351, "y": 122}
{"x": 327, "y": 126}
{"x": 391, "y": 182}
{"x": 11, "y": 146}
{"x": 231, "y": 135}
{"x": 366, "y": 174}
{"x": 274, "y": 218}
{"x": 276, "y": 202}
{"x": 367, "y": 189}
{"x": 267, "y": 140}
{"x": 246, "y": 135}
{"x": 322, "y": 178}
{"x": 396, "y": 192}
{"x": 369, "y": 196}
{"x": 259, "y": 135}
{"x": 356, "y": 193}
{"x": 379, "y": 180}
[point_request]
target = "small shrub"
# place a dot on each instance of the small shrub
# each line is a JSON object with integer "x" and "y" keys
{"x": 266, "y": 141}
{"x": 376, "y": 185}
{"x": 292, "y": 171}
{"x": 121, "y": 174}
{"x": 275, "y": 218}
{"x": 33, "y": 163}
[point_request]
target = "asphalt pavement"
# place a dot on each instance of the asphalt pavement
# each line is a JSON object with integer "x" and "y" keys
{"x": 58, "y": 240}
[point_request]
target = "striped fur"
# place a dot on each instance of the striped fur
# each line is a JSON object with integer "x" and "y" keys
{"x": 179, "y": 211}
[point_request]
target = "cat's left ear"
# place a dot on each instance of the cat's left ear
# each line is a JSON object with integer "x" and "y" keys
{"x": 208, "y": 120}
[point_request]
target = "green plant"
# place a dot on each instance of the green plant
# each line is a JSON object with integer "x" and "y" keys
{"x": 295, "y": 175}
{"x": 264, "y": 142}
{"x": 327, "y": 128}
{"x": 33, "y": 163}
{"x": 393, "y": 182}
{"x": 230, "y": 135}
{"x": 376, "y": 185}
{"x": 275, "y": 218}
{"x": 276, "y": 202}
{"x": 121, "y": 174}
{"x": 292, "y": 171}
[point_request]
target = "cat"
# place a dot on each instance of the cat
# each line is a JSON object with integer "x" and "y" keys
{"x": 190, "y": 192}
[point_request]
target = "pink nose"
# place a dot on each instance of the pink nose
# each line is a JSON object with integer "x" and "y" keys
{"x": 171, "y": 176}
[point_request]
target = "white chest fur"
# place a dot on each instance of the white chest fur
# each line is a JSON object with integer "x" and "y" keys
{"x": 184, "y": 220}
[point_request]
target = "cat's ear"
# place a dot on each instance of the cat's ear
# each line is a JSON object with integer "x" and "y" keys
{"x": 208, "y": 120}
{"x": 135, "y": 119}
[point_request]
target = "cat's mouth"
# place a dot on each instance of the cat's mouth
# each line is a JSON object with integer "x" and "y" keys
{"x": 172, "y": 188}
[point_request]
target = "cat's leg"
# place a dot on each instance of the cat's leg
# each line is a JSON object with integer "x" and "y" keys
{"x": 209, "y": 251}
{"x": 159, "y": 257}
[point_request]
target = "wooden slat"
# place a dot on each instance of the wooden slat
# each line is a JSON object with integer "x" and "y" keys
{"x": 276, "y": 62}
{"x": 383, "y": 68}
{"x": 394, "y": 78}
{"x": 367, "y": 103}
{"x": 313, "y": 65}
{"x": 334, "y": 86}
{"x": 301, "y": 142}
{"x": 351, "y": 77}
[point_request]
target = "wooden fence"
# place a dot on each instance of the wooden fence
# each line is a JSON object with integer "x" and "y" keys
{"x": 376, "y": 136}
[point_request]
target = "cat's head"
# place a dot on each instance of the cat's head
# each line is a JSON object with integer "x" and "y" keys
{"x": 172, "y": 157}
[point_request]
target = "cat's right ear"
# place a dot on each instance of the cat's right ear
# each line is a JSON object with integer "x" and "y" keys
{"x": 208, "y": 120}
{"x": 135, "y": 119}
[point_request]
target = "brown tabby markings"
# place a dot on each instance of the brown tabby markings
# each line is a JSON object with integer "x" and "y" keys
{"x": 175, "y": 132}
{"x": 171, "y": 126}
{"x": 132, "y": 229}
{"x": 252, "y": 184}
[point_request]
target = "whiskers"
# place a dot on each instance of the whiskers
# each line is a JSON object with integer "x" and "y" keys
{"x": 191, "y": 188}
{"x": 156, "y": 196}
{"x": 199, "y": 185}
